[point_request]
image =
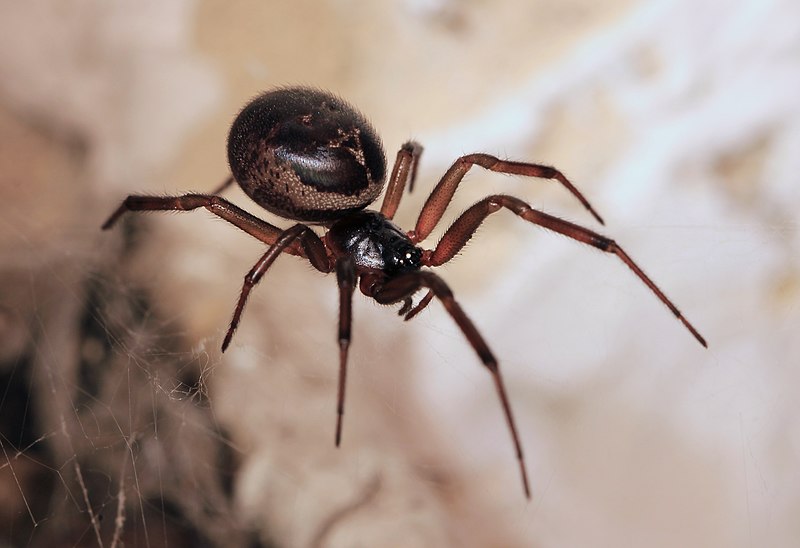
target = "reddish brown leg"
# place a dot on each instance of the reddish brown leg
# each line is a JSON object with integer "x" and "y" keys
{"x": 464, "y": 227}
{"x": 441, "y": 196}
{"x": 314, "y": 250}
{"x": 405, "y": 170}
{"x": 220, "y": 207}
{"x": 403, "y": 286}
{"x": 346, "y": 277}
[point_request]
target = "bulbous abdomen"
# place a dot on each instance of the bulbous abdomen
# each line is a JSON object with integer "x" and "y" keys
{"x": 305, "y": 154}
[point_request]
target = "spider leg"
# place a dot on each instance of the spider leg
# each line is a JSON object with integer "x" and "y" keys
{"x": 314, "y": 251}
{"x": 346, "y": 278}
{"x": 399, "y": 288}
{"x": 405, "y": 170}
{"x": 465, "y": 226}
{"x": 220, "y": 207}
{"x": 441, "y": 196}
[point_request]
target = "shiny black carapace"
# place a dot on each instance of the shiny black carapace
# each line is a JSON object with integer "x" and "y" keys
{"x": 306, "y": 155}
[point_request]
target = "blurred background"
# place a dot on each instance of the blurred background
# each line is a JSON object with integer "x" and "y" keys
{"x": 122, "y": 423}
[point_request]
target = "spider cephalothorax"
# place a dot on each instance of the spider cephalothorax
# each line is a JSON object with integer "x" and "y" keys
{"x": 307, "y": 155}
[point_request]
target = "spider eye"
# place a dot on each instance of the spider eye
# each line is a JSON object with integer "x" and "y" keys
{"x": 409, "y": 258}
{"x": 402, "y": 258}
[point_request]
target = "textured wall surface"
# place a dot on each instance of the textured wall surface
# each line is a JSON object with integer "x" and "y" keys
{"x": 122, "y": 422}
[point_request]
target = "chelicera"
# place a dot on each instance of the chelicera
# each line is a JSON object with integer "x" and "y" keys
{"x": 306, "y": 155}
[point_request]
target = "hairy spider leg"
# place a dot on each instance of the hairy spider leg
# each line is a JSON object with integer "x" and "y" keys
{"x": 404, "y": 171}
{"x": 346, "y": 278}
{"x": 261, "y": 230}
{"x": 314, "y": 251}
{"x": 403, "y": 286}
{"x": 465, "y": 226}
{"x": 441, "y": 196}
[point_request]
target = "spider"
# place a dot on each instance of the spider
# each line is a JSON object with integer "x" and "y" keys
{"x": 307, "y": 155}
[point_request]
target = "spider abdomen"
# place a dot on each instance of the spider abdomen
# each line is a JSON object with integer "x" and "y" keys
{"x": 305, "y": 154}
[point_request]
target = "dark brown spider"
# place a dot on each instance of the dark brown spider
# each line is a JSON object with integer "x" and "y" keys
{"x": 307, "y": 155}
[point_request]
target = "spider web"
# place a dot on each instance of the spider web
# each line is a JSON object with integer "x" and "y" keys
{"x": 108, "y": 435}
